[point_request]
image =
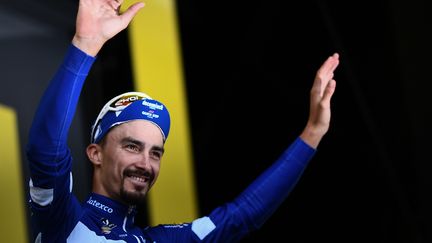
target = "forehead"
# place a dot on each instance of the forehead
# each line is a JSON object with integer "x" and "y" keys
{"x": 141, "y": 130}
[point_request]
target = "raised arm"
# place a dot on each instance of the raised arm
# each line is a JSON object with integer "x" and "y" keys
{"x": 261, "y": 199}
{"x": 49, "y": 157}
{"x": 47, "y": 151}
{"x": 97, "y": 22}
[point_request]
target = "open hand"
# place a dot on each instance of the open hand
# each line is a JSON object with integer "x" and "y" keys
{"x": 98, "y": 21}
{"x": 322, "y": 90}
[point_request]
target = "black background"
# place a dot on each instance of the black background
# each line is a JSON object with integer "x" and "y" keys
{"x": 249, "y": 66}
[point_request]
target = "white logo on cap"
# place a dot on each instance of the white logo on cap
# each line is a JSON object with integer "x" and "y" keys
{"x": 153, "y": 106}
{"x": 150, "y": 115}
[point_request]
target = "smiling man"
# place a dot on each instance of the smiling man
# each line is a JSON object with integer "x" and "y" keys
{"x": 127, "y": 145}
{"x": 126, "y": 148}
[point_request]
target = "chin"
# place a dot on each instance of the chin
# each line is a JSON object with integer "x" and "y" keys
{"x": 133, "y": 197}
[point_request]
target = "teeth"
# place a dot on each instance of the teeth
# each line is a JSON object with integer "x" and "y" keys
{"x": 139, "y": 179}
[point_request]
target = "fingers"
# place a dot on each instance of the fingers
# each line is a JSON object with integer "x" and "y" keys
{"x": 326, "y": 73}
{"x": 327, "y": 68}
{"x": 332, "y": 62}
{"x": 328, "y": 92}
{"x": 114, "y": 5}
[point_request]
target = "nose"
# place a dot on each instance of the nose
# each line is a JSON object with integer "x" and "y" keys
{"x": 144, "y": 162}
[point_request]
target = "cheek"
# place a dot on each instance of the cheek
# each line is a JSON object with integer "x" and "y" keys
{"x": 156, "y": 168}
{"x": 114, "y": 166}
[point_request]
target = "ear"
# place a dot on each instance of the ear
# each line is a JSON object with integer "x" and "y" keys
{"x": 94, "y": 153}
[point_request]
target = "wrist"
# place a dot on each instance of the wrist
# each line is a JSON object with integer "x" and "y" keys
{"x": 312, "y": 136}
{"x": 88, "y": 45}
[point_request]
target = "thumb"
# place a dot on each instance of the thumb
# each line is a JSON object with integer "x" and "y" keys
{"x": 130, "y": 13}
{"x": 328, "y": 92}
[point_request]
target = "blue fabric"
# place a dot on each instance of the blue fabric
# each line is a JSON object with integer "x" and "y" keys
{"x": 100, "y": 218}
{"x": 146, "y": 109}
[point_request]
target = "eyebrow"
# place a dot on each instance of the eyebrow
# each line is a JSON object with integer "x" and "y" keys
{"x": 141, "y": 144}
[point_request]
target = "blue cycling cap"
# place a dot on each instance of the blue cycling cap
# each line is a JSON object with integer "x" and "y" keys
{"x": 128, "y": 107}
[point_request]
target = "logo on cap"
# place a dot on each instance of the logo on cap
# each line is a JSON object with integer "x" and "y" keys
{"x": 126, "y": 100}
{"x": 153, "y": 106}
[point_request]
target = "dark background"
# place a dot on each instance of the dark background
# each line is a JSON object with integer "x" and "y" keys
{"x": 249, "y": 67}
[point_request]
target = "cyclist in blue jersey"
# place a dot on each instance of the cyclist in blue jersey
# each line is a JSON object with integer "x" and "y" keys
{"x": 126, "y": 148}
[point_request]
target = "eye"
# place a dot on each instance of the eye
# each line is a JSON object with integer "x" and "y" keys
{"x": 132, "y": 147}
{"x": 155, "y": 154}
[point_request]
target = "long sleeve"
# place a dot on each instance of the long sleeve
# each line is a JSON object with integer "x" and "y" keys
{"x": 250, "y": 210}
{"x": 258, "y": 202}
{"x": 49, "y": 157}
{"x": 232, "y": 221}
{"x": 47, "y": 148}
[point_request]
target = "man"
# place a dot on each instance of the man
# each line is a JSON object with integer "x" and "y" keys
{"x": 127, "y": 145}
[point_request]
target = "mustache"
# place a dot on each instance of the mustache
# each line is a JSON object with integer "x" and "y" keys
{"x": 139, "y": 173}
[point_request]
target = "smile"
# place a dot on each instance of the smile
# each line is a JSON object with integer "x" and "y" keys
{"x": 140, "y": 179}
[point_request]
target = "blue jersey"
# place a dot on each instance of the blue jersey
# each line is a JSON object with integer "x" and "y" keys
{"x": 57, "y": 215}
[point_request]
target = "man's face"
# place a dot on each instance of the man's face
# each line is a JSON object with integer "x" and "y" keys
{"x": 131, "y": 156}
